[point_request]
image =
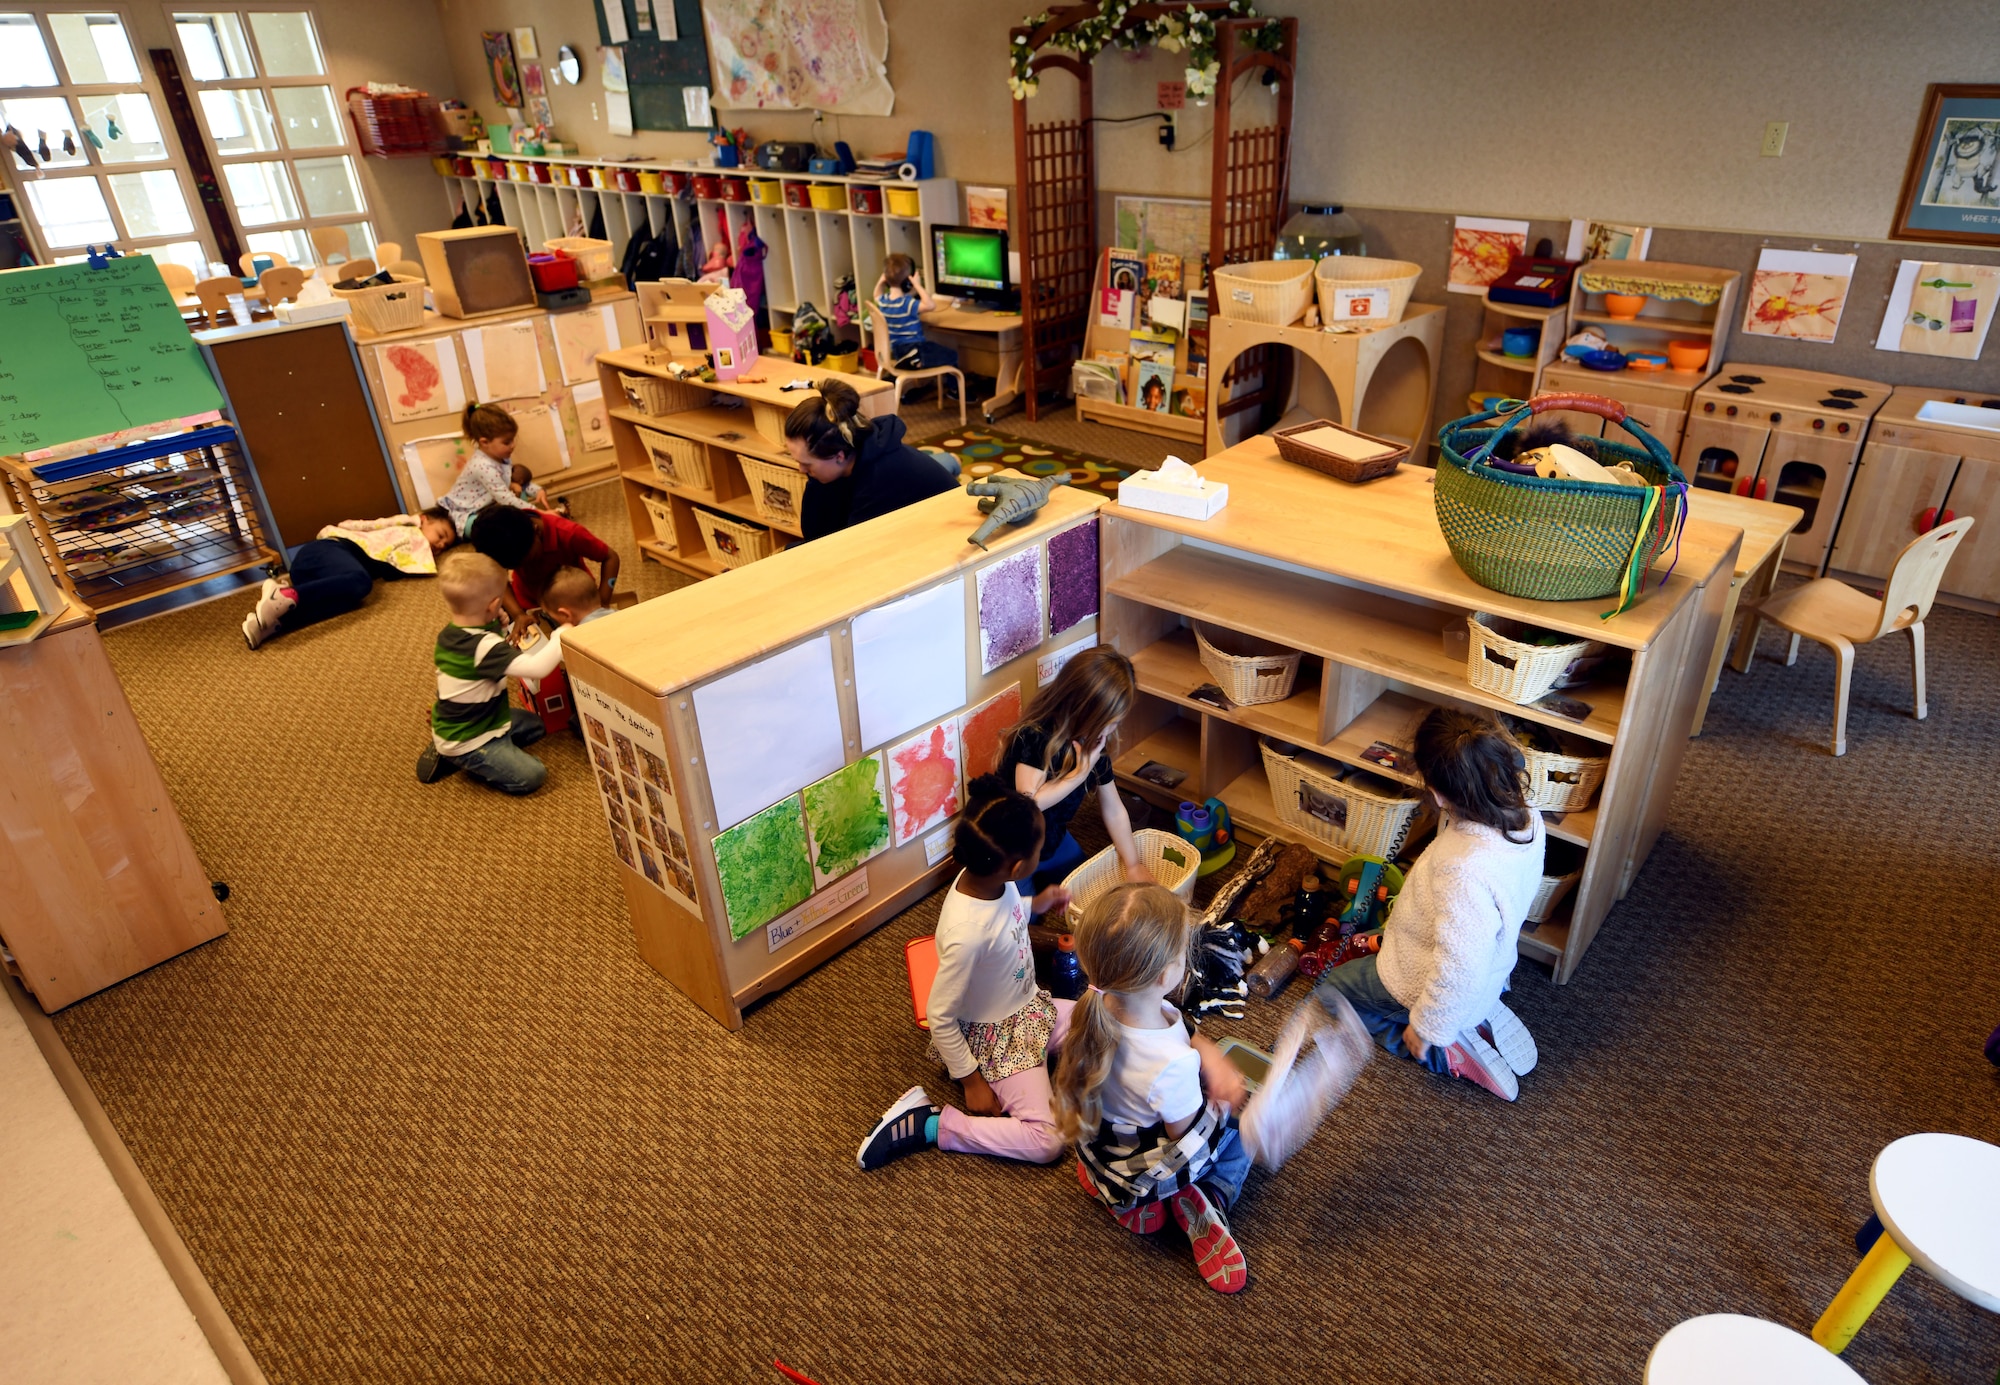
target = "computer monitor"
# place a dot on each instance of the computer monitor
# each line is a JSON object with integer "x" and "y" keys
{"x": 971, "y": 262}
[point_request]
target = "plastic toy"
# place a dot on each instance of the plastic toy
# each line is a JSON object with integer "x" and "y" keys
{"x": 1010, "y": 500}
{"x": 1370, "y": 886}
{"x": 1206, "y": 827}
{"x": 1215, "y": 982}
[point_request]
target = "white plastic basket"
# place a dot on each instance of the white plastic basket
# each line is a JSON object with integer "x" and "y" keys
{"x": 1173, "y": 862}
{"x": 1272, "y": 292}
{"x": 592, "y": 256}
{"x": 1337, "y": 272}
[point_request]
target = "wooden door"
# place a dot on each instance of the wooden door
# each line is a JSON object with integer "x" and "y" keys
{"x": 1975, "y": 568}
{"x": 1893, "y": 486}
{"x": 1719, "y": 453}
{"x": 1813, "y": 472}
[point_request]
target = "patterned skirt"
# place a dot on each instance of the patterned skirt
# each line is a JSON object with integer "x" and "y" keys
{"x": 1014, "y": 1044}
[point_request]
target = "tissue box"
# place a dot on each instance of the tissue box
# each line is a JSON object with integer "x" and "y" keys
{"x": 732, "y": 334}
{"x": 310, "y": 312}
{"x": 1145, "y": 490}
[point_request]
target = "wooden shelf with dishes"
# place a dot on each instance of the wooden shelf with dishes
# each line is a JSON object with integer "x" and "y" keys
{"x": 1503, "y": 374}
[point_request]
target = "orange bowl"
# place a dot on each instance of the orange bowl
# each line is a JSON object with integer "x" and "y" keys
{"x": 1687, "y": 355}
{"x": 1624, "y": 304}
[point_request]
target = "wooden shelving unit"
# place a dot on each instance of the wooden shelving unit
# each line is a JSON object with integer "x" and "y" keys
{"x": 1368, "y": 612}
{"x": 1497, "y": 371}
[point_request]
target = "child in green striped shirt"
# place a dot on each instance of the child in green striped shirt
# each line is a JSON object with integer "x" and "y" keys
{"x": 473, "y": 726}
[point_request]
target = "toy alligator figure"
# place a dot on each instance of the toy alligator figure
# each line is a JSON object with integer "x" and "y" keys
{"x": 1010, "y": 500}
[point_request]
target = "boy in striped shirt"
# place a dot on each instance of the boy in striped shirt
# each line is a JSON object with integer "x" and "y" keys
{"x": 900, "y": 296}
{"x": 473, "y": 726}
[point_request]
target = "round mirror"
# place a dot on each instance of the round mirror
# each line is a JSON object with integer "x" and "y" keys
{"x": 569, "y": 64}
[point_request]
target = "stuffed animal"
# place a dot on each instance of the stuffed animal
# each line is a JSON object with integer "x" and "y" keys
{"x": 1010, "y": 500}
{"x": 1215, "y": 982}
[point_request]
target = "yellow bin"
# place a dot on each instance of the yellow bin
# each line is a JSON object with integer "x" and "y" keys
{"x": 829, "y": 197}
{"x": 781, "y": 343}
{"x": 903, "y": 202}
{"x": 650, "y": 181}
{"x": 847, "y": 362}
{"x": 768, "y": 191}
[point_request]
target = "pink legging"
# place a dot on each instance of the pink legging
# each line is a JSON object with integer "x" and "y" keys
{"x": 1028, "y": 1131}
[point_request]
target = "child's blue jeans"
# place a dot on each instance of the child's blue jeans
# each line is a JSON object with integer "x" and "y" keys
{"x": 1230, "y": 1167}
{"x": 922, "y": 355}
{"x": 503, "y": 764}
{"x": 1385, "y": 1016}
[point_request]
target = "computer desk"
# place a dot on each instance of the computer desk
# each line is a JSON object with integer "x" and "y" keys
{"x": 983, "y": 340}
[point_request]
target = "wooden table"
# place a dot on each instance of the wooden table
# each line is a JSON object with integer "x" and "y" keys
{"x": 1765, "y": 527}
{"x": 641, "y": 673}
{"x": 1360, "y": 579}
{"x": 981, "y": 339}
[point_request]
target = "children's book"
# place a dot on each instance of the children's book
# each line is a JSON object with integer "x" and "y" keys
{"x": 1163, "y": 275}
{"x": 1124, "y": 273}
{"x": 1197, "y": 335}
{"x": 1119, "y": 361}
{"x": 1152, "y": 345}
{"x": 1191, "y": 402}
{"x": 1152, "y": 385}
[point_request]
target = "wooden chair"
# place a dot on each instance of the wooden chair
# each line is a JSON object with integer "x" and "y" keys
{"x": 406, "y": 268}
{"x": 247, "y": 261}
{"x": 281, "y": 284}
{"x": 214, "y": 295}
{"x": 388, "y": 251}
{"x": 178, "y": 278}
{"x": 1836, "y": 615}
{"x": 887, "y": 369}
{"x": 331, "y": 243}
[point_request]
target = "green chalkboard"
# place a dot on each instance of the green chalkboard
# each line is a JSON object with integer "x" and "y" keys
{"x": 91, "y": 351}
{"x": 657, "y": 71}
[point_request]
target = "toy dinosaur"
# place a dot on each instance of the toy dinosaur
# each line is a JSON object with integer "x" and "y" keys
{"x": 1010, "y": 500}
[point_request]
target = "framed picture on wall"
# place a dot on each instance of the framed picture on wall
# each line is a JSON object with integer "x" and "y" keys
{"x": 1951, "y": 189}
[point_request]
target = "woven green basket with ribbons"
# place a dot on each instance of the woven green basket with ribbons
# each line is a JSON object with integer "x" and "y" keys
{"x": 1553, "y": 539}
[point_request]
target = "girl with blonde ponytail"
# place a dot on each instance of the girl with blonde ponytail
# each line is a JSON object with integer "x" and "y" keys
{"x": 1149, "y": 1108}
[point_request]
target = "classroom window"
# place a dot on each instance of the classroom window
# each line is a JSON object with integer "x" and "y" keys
{"x": 95, "y": 163}
{"x": 281, "y": 139}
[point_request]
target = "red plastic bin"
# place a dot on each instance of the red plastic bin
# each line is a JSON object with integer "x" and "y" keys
{"x": 553, "y": 271}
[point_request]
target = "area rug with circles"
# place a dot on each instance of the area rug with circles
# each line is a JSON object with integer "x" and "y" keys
{"x": 981, "y": 451}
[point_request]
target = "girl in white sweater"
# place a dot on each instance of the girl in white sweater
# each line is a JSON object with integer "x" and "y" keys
{"x": 1433, "y": 991}
{"x": 992, "y": 1027}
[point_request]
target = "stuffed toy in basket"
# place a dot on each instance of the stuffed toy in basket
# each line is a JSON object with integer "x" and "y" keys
{"x": 1551, "y": 538}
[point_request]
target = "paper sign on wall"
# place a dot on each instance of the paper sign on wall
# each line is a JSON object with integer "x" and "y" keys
{"x": 636, "y": 789}
{"x": 580, "y": 335}
{"x": 770, "y": 728}
{"x": 505, "y": 361}
{"x": 1797, "y": 294}
{"x": 909, "y": 662}
{"x": 1049, "y": 665}
{"x": 434, "y": 464}
{"x": 541, "y": 445}
{"x": 420, "y": 378}
{"x": 851, "y": 889}
{"x": 593, "y": 424}
{"x": 1940, "y": 309}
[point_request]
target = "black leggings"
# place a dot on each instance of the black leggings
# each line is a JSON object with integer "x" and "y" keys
{"x": 332, "y": 577}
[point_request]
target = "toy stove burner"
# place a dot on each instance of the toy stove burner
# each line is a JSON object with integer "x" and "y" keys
{"x": 1837, "y": 403}
{"x": 1847, "y": 394}
{"x": 1733, "y": 389}
{"x": 1745, "y": 380}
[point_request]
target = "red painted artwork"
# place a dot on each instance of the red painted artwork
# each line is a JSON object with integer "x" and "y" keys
{"x": 923, "y": 780}
{"x": 417, "y": 375}
{"x": 982, "y": 731}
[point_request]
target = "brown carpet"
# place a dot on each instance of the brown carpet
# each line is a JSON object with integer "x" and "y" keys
{"x": 425, "y": 1116}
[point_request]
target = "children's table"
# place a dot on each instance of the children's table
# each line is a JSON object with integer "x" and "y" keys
{"x": 1730, "y": 1349}
{"x": 1766, "y": 526}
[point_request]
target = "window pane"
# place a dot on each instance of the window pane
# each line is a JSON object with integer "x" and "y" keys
{"x": 40, "y": 117}
{"x": 261, "y": 192}
{"x": 309, "y": 117}
{"x": 289, "y": 46}
{"x": 24, "y": 58}
{"x": 215, "y": 46}
{"x": 124, "y": 122}
{"x": 181, "y": 252}
{"x": 71, "y": 211}
{"x": 295, "y": 246}
{"x": 151, "y": 203}
{"x": 329, "y": 187}
{"x": 238, "y": 120}
{"x": 94, "y": 48}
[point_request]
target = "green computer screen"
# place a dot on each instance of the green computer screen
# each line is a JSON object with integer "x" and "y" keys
{"x": 972, "y": 259}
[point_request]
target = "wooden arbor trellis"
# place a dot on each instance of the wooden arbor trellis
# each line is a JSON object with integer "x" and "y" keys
{"x": 1055, "y": 171}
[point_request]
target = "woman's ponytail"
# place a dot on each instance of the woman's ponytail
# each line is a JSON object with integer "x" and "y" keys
{"x": 830, "y": 422}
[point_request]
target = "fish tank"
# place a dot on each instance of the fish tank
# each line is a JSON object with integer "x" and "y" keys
{"x": 1315, "y": 232}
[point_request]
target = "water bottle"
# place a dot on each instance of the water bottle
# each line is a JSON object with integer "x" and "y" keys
{"x": 1065, "y": 972}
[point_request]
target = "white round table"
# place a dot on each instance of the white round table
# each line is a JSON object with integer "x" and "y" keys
{"x": 1939, "y": 1196}
{"x": 1729, "y": 1349}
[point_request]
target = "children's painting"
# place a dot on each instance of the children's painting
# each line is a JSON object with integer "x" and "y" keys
{"x": 923, "y": 781}
{"x": 580, "y": 335}
{"x": 1940, "y": 309}
{"x": 982, "y": 732}
{"x": 764, "y": 866}
{"x": 1797, "y": 294}
{"x": 434, "y": 464}
{"x": 1481, "y": 249}
{"x": 421, "y": 379}
{"x": 500, "y": 66}
{"x": 1072, "y": 577}
{"x": 847, "y": 818}
{"x": 593, "y": 424}
{"x": 541, "y": 445}
{"x": 505, "y": 361}
{"x": 1010, "y": 608}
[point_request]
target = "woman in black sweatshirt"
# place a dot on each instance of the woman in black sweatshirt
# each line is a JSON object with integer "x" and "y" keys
{"x": 860, "y": 467}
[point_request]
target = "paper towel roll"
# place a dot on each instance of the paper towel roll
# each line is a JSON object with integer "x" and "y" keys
{"x": 907, "y": 172}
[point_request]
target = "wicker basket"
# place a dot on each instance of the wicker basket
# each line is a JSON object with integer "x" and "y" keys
{"x": 1332, "y": 463}
{"x": 1560, "y": 780}
{"x": 1549, "y": 539}
{"x": 1337, "y": 272}
{"x": 1562, "y": 867}
{"x": 1321, "y": 800}
{"x": 732, "y": 542}
{"x": 778, "y": 492}
{"x": 662, "y": 515}
{"x": 592, "y": 256}
{"x": 1172, "y": 861}
{"x": 1519, "y": 671}
{"x": 1273, "y": 292}
{"x": 382, "y": 308}
{"x": 650, "y": 394}
{"x": 770, "y": 420}
{"x": 1248, "y": 669}
{"x": 677, "y": 461}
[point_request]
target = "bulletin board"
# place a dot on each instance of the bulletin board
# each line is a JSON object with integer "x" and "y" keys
{"x": 658, "y": 71}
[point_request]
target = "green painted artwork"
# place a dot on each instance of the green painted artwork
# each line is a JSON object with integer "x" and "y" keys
{"x": 94, "y": 351}
{"x": 764, "y": 866}
{"x": 848, "y": 815}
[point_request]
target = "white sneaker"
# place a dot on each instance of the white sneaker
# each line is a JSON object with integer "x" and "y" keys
{"x": 254, "y": 631}
{"x": 1504, "y": 1030}
{"x": 1475, "y": 1060}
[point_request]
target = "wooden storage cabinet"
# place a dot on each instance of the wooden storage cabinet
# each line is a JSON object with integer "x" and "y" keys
{"x": 1975, "y": 569}
{"x": 1517, "y": 377}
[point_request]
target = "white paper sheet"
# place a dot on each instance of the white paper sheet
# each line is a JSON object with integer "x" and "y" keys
{"x": 909, "y": 662}
{"x": 636, "y": 790}
{"x": 614, "y": 20}
{"x": 618, "y": 112}
{"x": 769, "y": 729}
{"x": 593, "y": 424}
{"x": 580, "y": 335}
{"x": 506, "y": 362}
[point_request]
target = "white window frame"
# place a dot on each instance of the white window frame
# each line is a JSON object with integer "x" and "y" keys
{"x": 96, "y": 167}
{"x": 305, "y": 223}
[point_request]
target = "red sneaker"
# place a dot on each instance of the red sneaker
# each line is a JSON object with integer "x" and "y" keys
{"x": 1475, "y": 1060}
{"x": 1216, "y": 1253}
{"x": 1142, "y": 1220}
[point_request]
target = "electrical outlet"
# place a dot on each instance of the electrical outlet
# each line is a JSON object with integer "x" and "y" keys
{"x": 1169, "y": 129}
{"x": 1774, "y": 139}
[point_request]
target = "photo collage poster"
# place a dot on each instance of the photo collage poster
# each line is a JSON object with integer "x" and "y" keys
{"x": 629, "y": 756}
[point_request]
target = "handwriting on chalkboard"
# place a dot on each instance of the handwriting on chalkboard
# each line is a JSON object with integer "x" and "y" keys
{"x": 94, "y": 351}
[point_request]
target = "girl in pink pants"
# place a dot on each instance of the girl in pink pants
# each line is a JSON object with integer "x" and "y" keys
{"x": 991, "y": 1026}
